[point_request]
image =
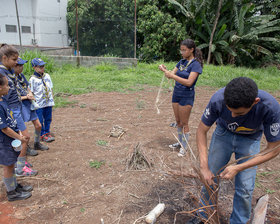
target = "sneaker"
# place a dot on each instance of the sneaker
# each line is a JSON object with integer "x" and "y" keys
{"x": 174, "y": 125}
{"x": 46, "y": 138}
{"x": 31, "y": 152}
{"x": 175, "y": 145}
{"x": 28, "y": 164}
{"x": 26, "y": 172}
{"x": 50, "y": 136}
{"x": 16, "y": 195}
{"x": 195, "y": 220}
{"x": 182, "y": 152}
{"x": 40, "y": 146}
{"x": 25, "y": 188}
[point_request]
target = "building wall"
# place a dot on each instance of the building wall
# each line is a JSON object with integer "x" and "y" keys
{"x": 46, "y": 20}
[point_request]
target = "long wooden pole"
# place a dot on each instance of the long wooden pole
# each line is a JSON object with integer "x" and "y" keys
{"x": 77, "y": 35}
{"x": 135, "y": 29}
{"x": 19, "y": 31}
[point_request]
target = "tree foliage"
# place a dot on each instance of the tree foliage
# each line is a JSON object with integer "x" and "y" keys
{"x": 245, "y": 33}
{"x": 159, "y": 33}
{"x": 105, "y": 27}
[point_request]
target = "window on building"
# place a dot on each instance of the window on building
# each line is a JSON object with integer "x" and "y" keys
{"x": 59, "y": 32}
{"x": 25, "y": 29}
{"x": 11, "y": 28}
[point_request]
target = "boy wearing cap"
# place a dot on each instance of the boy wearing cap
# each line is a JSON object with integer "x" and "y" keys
{"x": 26, "y": 112}
{"x": 41, "y": 86}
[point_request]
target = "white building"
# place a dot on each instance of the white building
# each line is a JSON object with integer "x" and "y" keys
{"x": 42, "y": 23}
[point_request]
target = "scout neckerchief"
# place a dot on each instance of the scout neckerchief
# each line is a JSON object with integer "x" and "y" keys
{"x": 182, "y": 67}
{"x": 157, "y": 104}
{"x": 42, "y": 76}
{"x": 22, "y": 84}
{"x": 12, "y": 76}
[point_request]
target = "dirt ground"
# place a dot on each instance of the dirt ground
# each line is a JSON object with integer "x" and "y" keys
{"x": 85, "y": 177}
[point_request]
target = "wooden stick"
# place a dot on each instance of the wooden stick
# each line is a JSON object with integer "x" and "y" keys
{"x": 158, "y": 94}
{"x": 40, "y": 178}
{"x": 260, "y": 210}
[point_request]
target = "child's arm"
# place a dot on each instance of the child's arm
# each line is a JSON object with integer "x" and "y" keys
{"x": 11, "y": 133}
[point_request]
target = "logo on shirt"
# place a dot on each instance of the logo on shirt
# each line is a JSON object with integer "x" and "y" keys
{"x": 1, "y": 122}
{"x": 206, "y": 113}
{"x": 274, "y": 129}
{"x": 233, "y": 126}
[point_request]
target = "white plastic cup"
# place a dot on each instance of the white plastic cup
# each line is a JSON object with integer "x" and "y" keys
{"x": 17, "y": 145}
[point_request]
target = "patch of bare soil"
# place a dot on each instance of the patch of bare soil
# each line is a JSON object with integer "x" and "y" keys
{"x": 86, "y": 177}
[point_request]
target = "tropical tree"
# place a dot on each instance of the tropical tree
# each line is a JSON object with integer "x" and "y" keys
{"x": 105, "y": 27}
{"x": 252, "y": 33}
{"x": 220, "y": 47}
{"x": 159, "y": 34}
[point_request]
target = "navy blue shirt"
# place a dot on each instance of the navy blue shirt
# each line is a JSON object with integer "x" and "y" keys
{"x": 263, "y": 117}
{"x": 184, "y": 71}
{"x": 13, "y": 96}
{"x": 23, "y": 89}
{"x": 6, "y": 120}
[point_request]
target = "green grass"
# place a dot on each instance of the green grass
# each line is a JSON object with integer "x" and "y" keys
{"x": 218, "y": 76}
{"x": 107, "y": 78}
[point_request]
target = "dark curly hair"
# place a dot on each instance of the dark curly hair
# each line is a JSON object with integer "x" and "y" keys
{"x": 240, "y": 92}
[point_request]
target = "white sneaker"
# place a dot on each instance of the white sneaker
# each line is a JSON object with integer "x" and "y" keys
{"x": 182, "y": 152}
{"x": 175, "y": 145}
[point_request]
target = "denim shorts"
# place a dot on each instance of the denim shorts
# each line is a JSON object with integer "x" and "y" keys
{"x": 8, "y": 156}
{"x": 183, "y": 101}
{"x": 28, "y": 114}
{"x": 18, "y": 117}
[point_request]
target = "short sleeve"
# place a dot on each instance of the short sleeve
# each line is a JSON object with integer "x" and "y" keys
{"x": 31, "y": 84}
{"x": 272, "y": 126}
{"x": 210, "y": 114}
{"x": 196, "y": 67}
{"x": 3, "y": 123}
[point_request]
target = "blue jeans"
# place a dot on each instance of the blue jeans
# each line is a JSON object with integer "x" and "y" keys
{"x": 45, "y": 117}
{"x": 222, "y": 145}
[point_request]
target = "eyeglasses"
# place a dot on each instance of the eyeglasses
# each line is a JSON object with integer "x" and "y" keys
{"x": 41, "y": 66}
{"x": 19, "y": 65}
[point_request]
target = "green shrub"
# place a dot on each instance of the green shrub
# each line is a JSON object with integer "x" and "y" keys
{"x": 29, "y": 55}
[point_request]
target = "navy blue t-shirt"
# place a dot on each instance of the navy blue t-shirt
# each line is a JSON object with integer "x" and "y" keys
{"x": 6, "y": 120}
{"x": 23, "y": 89}
{"x": 263, "y": 117}
{"x": 12, "y": 98}
{"x": 184, "y": 71}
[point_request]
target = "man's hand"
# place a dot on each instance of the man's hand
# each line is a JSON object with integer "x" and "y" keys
{"x": 229, "y": 172}
{"x": 208, "y": 176}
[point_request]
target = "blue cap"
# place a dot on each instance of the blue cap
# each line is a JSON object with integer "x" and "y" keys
{"x": 37, "y": 62}
{"x": 20, "y": 61}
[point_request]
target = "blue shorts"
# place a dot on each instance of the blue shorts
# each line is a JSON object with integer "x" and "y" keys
{"x": 8, "y": 156}
{"x": 27, "y": 113}
{"x": 183, "y": 101}
{"x": 18, "y": 117}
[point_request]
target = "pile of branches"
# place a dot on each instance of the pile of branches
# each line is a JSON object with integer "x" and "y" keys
{"x": 137, "y": 160}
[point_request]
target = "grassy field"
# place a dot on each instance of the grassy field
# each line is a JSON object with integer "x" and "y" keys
{"x": 106, "y": 77}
